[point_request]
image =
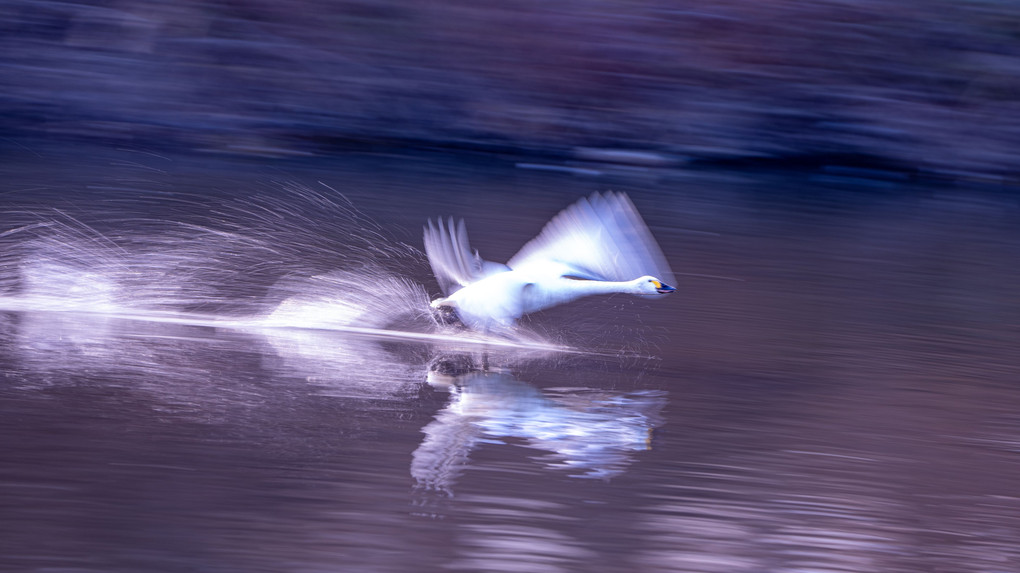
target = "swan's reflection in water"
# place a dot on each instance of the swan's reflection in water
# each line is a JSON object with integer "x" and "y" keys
{"x": 587, "y": 433}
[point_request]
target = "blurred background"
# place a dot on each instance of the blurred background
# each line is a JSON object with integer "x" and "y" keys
{"x": 922, "y": 87}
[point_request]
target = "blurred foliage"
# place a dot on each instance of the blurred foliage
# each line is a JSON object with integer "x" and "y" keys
{"x": 932, "y": 83}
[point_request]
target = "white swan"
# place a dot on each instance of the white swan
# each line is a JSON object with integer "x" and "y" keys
{"x": 595, "y": 246}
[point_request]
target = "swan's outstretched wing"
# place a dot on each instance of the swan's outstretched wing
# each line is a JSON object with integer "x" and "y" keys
{"x": 453, "y": 262}
{"x": 602, "y": 238}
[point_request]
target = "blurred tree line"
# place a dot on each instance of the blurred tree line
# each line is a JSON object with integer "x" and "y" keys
{"x": 932, "y": 84}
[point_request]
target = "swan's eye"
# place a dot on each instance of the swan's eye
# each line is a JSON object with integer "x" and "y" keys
{"x": 656, "y": 283}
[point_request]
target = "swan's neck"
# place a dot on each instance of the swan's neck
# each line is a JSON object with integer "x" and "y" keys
{"x": 566, "y": 290}
{"x": 585, "y": 288}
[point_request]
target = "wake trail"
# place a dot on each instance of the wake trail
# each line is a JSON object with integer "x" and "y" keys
{"x": 258, "y": 324}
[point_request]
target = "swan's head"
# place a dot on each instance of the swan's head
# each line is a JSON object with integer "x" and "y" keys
{"x": 651, "y": 285}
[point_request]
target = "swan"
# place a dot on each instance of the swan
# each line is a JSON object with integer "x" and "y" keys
{"x": 598, "y": 245}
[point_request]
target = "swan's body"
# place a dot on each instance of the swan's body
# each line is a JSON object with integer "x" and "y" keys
{"x": 595, "y": 246}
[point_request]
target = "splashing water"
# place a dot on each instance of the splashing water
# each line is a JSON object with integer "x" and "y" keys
{"x": 367, "y": 297}
{"x": 300, "y": 259}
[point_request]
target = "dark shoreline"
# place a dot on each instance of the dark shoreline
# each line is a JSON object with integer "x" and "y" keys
{"x": 914, "y": 89}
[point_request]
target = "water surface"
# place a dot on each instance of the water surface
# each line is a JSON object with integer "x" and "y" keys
{"x": 833, "y": 387}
